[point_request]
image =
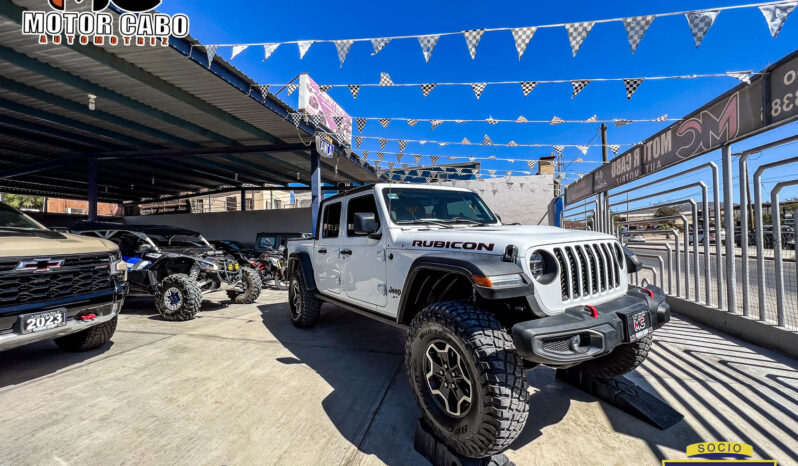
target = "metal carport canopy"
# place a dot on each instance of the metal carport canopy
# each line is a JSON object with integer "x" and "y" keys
{"x": 164, "y": 124}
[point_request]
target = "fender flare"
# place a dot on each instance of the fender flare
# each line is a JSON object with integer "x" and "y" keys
{"x": 301, "y": 260}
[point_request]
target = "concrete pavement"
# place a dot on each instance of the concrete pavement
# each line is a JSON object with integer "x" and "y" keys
{"x": 241, "y": 385}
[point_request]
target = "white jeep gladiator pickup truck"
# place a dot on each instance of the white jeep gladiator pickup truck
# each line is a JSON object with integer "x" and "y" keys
{"x": 482, "y": 301}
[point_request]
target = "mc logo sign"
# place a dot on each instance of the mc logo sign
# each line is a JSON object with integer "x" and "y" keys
{"x": 133, "y": 6}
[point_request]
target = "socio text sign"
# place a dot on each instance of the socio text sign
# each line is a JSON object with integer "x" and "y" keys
{"x": 770, "y": 99}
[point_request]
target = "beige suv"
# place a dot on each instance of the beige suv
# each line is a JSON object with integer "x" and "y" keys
{"x": 55, "y": 286}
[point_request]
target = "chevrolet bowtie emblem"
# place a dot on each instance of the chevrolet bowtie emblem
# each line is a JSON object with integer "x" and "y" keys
{"x": 40, "y": 265}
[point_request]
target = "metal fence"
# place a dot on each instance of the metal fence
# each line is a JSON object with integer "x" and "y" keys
{"x": 703, "y": 247}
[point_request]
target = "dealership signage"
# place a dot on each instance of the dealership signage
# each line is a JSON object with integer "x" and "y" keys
{"x": 313, "y": 102}
{"x": 135, "y": 25}
{"x": 771, "y": 99}
{"x": 324, "y": 145}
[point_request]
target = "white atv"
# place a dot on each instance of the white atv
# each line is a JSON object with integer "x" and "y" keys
{"x": 481, "y": 301}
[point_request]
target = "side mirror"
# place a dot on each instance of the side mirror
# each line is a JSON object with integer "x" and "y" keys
{"x": 633, "y": 264}
{"x": 498, "y": 217}
{"x": 365, "y": 224}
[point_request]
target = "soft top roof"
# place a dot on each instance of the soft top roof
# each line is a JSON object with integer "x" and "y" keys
{"x": 162, "y": 230}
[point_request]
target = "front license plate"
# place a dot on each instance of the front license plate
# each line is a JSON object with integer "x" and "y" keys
{"x": 638, "y": 325}
{"x": 41, "y": 321}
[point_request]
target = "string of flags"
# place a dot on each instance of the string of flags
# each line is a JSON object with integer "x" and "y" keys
{"x": 380, "y": 158}
{"x": 578, "y": 85}
{"x": 699, "y": 21}
{"x": 486, "y": 141}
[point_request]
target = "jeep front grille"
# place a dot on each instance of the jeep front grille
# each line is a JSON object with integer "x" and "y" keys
{"x": 587, "y": 270}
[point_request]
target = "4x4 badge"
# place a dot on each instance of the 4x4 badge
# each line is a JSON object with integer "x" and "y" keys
{"x": 40, "y": 265}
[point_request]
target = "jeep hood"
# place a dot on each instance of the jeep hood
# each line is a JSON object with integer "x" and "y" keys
{"x": 50, "y": 243}
{"x": 494, "y": 239}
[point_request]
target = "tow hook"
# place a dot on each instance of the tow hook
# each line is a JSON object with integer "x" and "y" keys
{"x": 593, "y": 311}
{"x": 648, "y": 292}
{"x": 85, "y": 317}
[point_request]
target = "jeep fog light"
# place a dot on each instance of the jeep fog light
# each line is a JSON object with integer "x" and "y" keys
{"x": 499, "y": 281}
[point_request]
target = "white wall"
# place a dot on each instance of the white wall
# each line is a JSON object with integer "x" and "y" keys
{"x": 237, "y": 226}
{"x": 524, "y": 200}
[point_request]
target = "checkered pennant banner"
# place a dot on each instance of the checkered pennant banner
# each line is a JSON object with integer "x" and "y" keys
{"x": 385, "y": 80}
{"x": 531, "y": 164}
{"x": 661, "y": 118}
{"x": 491, "y": 121}
{"x": 317, "y": 119}
{"x": 339, "y": 120}
{"x": 486, "y": 141}
{"x": 416, "y": 158}
{"x": 512, "y": 144}
{"x": 577, "y": 33}
{"x": 522, "y": 36}
{"x": 379, "y": 44}
{"x": 465, "y": 142}
{"x": 458, "y": 170}
{"x": 700, "y": 22}
{"x": 384, "y": 122}
{"x": 237, "y": 49}
{"x": 459, "y": 122}
{"x": 291, "y": 88}
{"x": 211, "y": 51}
{"x": 527, "y": 86}
{"x": 343, "y": 46}
{"x": 304, "y": 46}
{"x": 380, "y": 156}
{"x": 391, "y": 165}
{"x": 268, "y": 50}
{"x": 383, "y": 141}
{"x": 358, "y": 141}
{"x": 492, "y": 157}
{"x": 402, "y": 145}
{"x": 631, "y": 86}
{"x": 478, "y": 88}
{"x": 435, "y": 123}
{"x": 427, "y": 88}
{"x": 296, "y": 118}
{"x": 366, "y": 155}
{"x": 452, "y": 158}
{"x": 555, "y": 120}
{"x": 742, "y": 76}
{"x": 592, "y": 119}
{"x": 412, "y": 122}
{"x": 354, "y": 89}
{"x": 775, "y": 15}
{"x": 427, "y": 44}
{"x": 264, "y": 90}
{"x": 325, "y": 87}
{"x": 472, "y": 38}
{"x": 434, "y": 159}
{"x": 522, "y": 119}
{"x": 361, "y": 123}
{"x": 558, "y": 149}
{"x": 478, "y": 175}
{"x": 578, "y": 86}
{"x": 399, "y": 157}
{"x": 614, "y": 148}
{"x": 583, "y": 149}
{"x": 636, "y": 28}
{"x": 622, "y": 122}
{"x": 491, "y": 172}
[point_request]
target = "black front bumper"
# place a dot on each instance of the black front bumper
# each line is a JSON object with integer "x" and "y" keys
{"x": 576, "y": 335}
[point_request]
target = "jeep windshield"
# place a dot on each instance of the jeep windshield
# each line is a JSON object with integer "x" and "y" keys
{"x": 436, "y": 207}
{"x": 13, "y": 220}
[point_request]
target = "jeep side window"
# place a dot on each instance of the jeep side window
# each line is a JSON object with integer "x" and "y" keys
{"x": 331, "y": 221}
{"x": 363, "y": 204}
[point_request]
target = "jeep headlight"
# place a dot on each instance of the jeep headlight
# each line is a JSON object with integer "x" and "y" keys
{"x": 537, "y": 265}
{"x": 542, "y": 266}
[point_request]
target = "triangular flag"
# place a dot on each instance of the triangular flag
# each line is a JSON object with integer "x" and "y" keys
{"x": 491, "y": 121}
{"x": 379, "y": 44}
{"x": 416, "y": 158}
{"x": 391, "y": 165}
{"x": 465, "y": 142}
{"x": 264, "y": 90}
{"x": 556, "y": 121}
{"x": 521, "y": 119}
{"x": 304, "y": 45}
{"x": 384, "y": 122}
{"x": 399, "y": 157}
{"x": 385, "y": 80}
{"x": 742, "y": 76}
{"x": 522, "y": 36}
{"x": 238, "y": 49}
{"x": 636, "y": 28}
{"x": 291, "y": 88}
{"x": 268, "y": 50}
{"x": 583, "y": 149}
{"x": 775, "y": 15}
{"x": 318, "y": 119}
{"x": 478, "y": 88}
{"x": 211, "y": 51}
{"x": 402, "y": 145}
{"x": 434, "y": 159}
{"x": 383, "y": 141}
{"x": 435, "y": 123}
{"x": 380, "y": 156}
{"x": 486, "y": 141}
{"x": 296, "y": 118}
{"x": 361, "y": 123}
{"x": 358, "y": 141}
{"x": 412, "y": 122}
{"x": 592, "y": 119}
{"x": 661, "y": 118}
{"x": 472, "y": 38}
{"x": 451, "y": 157}
{"x": 428, "y": 45}
{"x": 578, "y": 86}
{"x": 343, "y": 46}
{"x": 325, "y": 87}
{"x": 700, "y": 22}
{"x": 512, "y": 144}
{"x": 577, "y": 33}
{"x": 459, "y": 121}
{"x": 354, "y": 89}
{"x": 531, "y": 164}
{"x": 527, "y": 86}
{"x": 427, "y": 88}
{"x": 558, "y": 149}
{"x": 614, "y": 148}
{"x": 366, "y": 155}
{"x": 631, "y": 85}
{"x": 621, "y": 122}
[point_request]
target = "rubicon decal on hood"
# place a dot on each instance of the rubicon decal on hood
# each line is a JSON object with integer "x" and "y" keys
{"x": 467, "y": 245}
{"x": 137, "y": 25}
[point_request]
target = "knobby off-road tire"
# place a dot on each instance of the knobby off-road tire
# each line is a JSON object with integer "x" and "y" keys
{"x": 498, "y": 403}
{"x": 250, "y": 279}
{"x": 89, "y": 339}
{"x": 304, "y": 306}
{"x": 178, "y": 298}
{"x": 622, "y": 360}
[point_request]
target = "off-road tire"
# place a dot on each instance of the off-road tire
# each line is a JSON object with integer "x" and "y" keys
{"x": 89, "y": 339}
{"x": 190, "y": 295}
{"x": 252, "y": 286}
{"x": 304, "y": 306}
{"x": 499, "y": 397}
{"x": 622, "y": 360}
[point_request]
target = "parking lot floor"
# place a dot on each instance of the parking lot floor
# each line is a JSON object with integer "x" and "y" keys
{"x": 241, "y": 385}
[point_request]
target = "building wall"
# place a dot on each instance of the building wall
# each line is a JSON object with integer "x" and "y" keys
{"x": 61, "y": 206}
{"x": 237, "y": 226}
{"x": 524, "y": 200}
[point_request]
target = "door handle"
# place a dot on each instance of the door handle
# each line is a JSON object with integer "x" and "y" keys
{"x": 322, "y": 251}
{"x": 346, "y": 252}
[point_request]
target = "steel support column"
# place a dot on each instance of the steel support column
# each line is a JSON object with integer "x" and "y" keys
{"x": 315, "y": 184}
{"x": 728, "y": 210}
{"x": 243, "y": 200}
{"x": 92, "y": 169}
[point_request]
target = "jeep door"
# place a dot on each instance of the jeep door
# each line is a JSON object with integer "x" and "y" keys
{"x": 326, "y": 260}
{"x": 363, "y": 258}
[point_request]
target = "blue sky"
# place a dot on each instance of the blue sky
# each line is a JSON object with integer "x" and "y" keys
{"x": 739, "y": 40}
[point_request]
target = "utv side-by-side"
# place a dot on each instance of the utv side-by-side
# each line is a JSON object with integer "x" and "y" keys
{"x": 176, "y": 265}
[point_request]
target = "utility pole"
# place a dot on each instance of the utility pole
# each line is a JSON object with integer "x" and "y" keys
{"x": 604, "y": 200}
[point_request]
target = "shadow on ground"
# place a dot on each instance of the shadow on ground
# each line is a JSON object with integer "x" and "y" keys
{"x": 30, "y": 362}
